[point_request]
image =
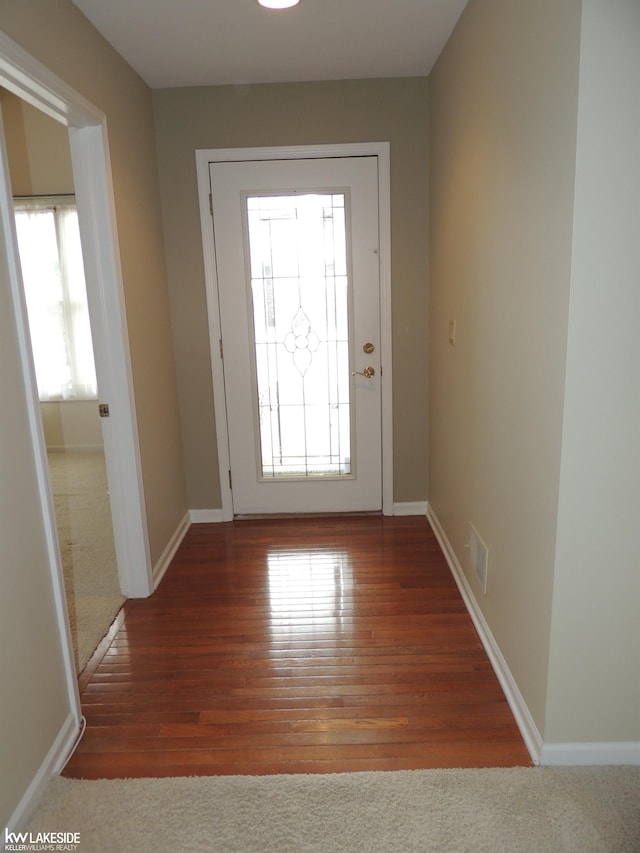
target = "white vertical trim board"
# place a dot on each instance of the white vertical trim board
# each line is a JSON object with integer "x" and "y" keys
{"x": 386, "y": 339}
{"x": 523, "y": 718}
{"x": 213, "y": 155}
{"x": 96, "y": 215}
{"x": 215, "y": 331}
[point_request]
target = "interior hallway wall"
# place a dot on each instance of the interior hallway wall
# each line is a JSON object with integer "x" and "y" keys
{"x": 503, "y": 116}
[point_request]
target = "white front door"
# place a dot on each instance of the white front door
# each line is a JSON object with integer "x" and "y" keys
{"x": 297, "y": 262}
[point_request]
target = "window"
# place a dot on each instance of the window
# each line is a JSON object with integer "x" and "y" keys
{"x": 55, "y": 292}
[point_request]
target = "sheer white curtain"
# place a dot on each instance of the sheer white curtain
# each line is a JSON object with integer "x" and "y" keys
{"x": 53, "y": 274}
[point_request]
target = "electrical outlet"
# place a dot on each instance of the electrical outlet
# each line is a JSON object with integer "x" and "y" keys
{"x": 478, "y": 557}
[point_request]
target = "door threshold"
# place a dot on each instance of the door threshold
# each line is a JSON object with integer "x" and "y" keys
{"x": 289, "y": 515}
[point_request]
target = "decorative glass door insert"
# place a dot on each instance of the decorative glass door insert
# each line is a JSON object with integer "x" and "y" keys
{"x": 300, "y": 305}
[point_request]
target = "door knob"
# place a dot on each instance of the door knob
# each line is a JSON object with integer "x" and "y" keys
{"x": 368, "y": 372}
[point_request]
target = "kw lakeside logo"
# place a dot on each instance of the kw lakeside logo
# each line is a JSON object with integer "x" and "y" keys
{"x": 41, "y": 840}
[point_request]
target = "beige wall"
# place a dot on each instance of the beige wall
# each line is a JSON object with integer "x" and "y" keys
{"x": 594, "y": 684}
{"x": 296, "y": 114}
{"x": 34, "y": 704}
{"x": 56, "y": 33}
{"x": 503, "y": 105}
{"x": 71, "y": 424}
{"x": 37, "y": 148}
{"x": 535, "y": 414}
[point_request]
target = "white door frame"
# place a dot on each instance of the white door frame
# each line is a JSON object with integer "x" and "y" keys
{"x": 218, "y": 155}
{"x": 27, "y": 78}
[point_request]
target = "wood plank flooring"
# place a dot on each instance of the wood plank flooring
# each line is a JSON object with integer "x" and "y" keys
{"x": 296, "y": 645}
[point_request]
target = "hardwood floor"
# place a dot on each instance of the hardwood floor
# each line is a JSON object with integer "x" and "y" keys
{"x": 306, "y": 645}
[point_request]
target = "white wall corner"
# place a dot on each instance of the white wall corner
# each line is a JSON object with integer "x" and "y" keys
{"x": 521, "y": 713}
{"x": 410, "y": 508}
{"x": 54, "y": 762}
{"x": 587, "y": 754}
{"x": 169, "y": 552}
{"x": 206, "y": 516}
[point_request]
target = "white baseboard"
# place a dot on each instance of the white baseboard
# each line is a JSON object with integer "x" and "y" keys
{"x": 410, "y": 508}
{"x": 51, "y": 766}
{"x": 585, "y": 754}
{"x": 169, "y": 552}
{"x": 205, "y": 516}
{"x": 546, "y": 754}
{"x": 523, "y": 718}
{"x": 215, "y": 516}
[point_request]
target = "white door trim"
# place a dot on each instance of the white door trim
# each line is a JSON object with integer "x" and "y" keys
{"x": 23, "y": 75}
{"x": 365, "y": 149}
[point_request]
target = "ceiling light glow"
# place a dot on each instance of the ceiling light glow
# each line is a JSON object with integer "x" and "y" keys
{"x": 278, "y": 4}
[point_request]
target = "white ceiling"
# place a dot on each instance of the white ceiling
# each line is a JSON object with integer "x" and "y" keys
{"x": 218, "y": 42}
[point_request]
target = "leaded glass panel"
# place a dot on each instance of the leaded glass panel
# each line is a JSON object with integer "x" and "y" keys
{"x": 300, "y": 295}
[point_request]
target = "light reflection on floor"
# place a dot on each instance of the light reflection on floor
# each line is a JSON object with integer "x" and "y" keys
{"x": 307, "y": 590}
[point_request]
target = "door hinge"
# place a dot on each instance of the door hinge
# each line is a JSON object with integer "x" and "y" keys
{"x": 230, "y": 483}
{"x": 211, "y": 204}
{"x": 221, "y": 349}
{"x": 103, "y": 410}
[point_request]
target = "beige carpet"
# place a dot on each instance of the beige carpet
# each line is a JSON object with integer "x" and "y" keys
{"x": 568, "y": 810}
{"x": 85, "y": 531}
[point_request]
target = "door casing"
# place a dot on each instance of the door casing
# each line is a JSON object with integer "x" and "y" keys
{"x": 215, "y": 155}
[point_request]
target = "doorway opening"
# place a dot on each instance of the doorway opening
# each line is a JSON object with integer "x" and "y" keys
{"x": 51, "y": 261}
{"x": 351, "y": 375}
